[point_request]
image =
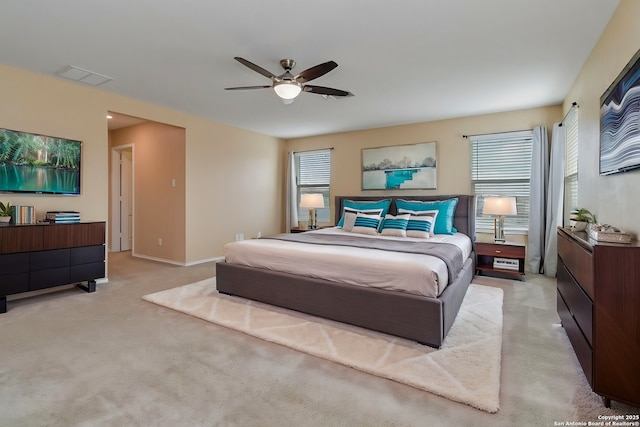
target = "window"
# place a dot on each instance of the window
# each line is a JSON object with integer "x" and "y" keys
{"x": 571, "y": 162}
{"x": 313, "y": 174}
{"x": 501, "y": 166}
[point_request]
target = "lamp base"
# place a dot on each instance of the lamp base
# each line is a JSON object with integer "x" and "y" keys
{"x": 312, "y": 219}
{"x": 498, "y": 227}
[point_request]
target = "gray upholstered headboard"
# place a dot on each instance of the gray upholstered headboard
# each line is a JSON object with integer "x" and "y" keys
{"x": 464, "y": 219}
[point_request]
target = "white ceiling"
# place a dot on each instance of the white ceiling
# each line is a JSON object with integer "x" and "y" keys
{"x": 406, "y": 61}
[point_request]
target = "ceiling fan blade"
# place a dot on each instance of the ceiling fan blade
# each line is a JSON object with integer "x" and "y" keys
{"x": 246, "y": 87}
{"x": 315, "y": 72}
{"x": 321, "y": 90}
{"x": 255, "y": 67}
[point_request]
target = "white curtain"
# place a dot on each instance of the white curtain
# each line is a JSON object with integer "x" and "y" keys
{"x": 555, "y": 198}
{"x": 537, "y": 198}
{"x": 292, "y": 193}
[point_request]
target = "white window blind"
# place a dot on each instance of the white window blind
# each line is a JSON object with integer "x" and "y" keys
{"x": 571, "y": 162}
{"x": 313, "y": 175}
{"x": 501, "y": 166}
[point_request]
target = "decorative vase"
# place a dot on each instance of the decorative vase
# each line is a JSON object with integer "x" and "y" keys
{"x": 579, "y": 225}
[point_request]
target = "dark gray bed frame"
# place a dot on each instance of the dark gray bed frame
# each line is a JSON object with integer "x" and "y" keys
{"x": 423, "y": 319}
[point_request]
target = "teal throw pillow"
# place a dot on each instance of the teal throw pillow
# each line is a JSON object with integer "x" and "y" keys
{"x": 364, "y": 206}
{"x": 446, "y": 210}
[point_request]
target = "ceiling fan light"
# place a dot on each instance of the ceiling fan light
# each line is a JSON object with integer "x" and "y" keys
{"x": 287, "y": 90}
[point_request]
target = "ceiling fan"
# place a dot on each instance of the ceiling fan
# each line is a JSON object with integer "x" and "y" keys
{"x": 287, "y": 86}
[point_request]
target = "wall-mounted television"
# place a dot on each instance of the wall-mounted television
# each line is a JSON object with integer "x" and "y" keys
{"x": 620, "y": 121}
{"x": 31, "y": 163}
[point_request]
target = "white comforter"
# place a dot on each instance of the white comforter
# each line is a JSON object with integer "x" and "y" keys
{"x": 413, "y": 273}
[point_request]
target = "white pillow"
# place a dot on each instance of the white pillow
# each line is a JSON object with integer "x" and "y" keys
{"x": 395, "y": 225}
{"x": 366, "y": 224}
{"x": 421, "y": 223}
{"x": 349, "y": 215}
{"x": 349, "y": 221}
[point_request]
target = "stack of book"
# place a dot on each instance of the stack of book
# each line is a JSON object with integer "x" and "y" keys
{"x": 23, "y": 214}
{"x": 60, "y": 217}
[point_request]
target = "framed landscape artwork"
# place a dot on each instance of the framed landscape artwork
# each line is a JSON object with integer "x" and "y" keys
{"x": 400, "y": 167}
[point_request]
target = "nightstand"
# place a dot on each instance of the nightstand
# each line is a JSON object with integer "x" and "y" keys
{"x": 500, "y": 259}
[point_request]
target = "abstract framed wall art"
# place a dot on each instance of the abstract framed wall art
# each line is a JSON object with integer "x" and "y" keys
{"x": 400, "y": 167}
{"x": 619, "y": 127}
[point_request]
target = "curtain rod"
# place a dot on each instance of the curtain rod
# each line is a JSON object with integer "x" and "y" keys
{"x": 495, "y": 133}
{"x": 311, "y": 151}
{"x": 573, "y": 104}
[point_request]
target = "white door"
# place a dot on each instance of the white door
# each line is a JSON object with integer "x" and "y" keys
{"x": 126, "y": 205}
{"x": 122, "y": 199}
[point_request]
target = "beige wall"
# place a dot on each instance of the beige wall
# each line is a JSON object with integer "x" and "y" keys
{"x": 159, "y": 156}
{"x": 234, "y": 185}
{"x": 614, "y": 199}
{"x": 232, "y": 177}
{"x": 453, "y": 149}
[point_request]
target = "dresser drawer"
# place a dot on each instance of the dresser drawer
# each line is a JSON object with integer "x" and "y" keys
{"x": 579, "y": 262}
{"x": 15, "y": 239}
{"x": 15, "y": 273}
{"x": 45, "y": 260}
{"x": 42, "y": 279}
{"x": 14, "y": 263}
{"x": 500, "y": 250}
{"x": 80, "y": 273}
{"x": 577, "y": 301}
{"x": 14, "y": 283}
{"x": 87, "y": 254}
{"x": 583, "y": 350}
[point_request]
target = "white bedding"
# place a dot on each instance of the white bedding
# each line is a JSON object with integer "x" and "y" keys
{"x": 413, "y": 273}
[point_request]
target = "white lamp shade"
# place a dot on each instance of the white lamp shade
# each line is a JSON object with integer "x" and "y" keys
{"x": 287, "y": 90}
{"x": 499, "y": 206}
{"x": 314, "y": 200}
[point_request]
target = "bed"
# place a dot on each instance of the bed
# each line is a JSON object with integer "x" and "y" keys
{"x": 424, "y": 316}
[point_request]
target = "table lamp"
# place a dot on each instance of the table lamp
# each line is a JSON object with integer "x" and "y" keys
{"x": 312, "y": 201}
{"x": 499, "y": 206}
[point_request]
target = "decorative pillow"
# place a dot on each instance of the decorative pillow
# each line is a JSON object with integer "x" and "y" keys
{"x": 395, "y": 225}
{"x": 420, "y": 223}
{"x": 349, "y": 216}
{"x": 362, "y": 206}
{"x": 366, "y": 224}
{"x": 446, "y": 209}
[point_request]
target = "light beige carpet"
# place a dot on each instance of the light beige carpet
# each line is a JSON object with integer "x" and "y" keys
{"x": 466, "y": 369}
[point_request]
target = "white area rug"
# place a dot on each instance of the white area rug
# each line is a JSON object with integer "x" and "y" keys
{"x": 465, "y": 369}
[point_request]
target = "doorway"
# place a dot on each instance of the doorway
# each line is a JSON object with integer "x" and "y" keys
{"x": 152, "y": 157}
{"x": 122, "y": 198}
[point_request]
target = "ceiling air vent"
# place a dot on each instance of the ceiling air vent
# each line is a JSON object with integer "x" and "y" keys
{"x": 85, "y": 76}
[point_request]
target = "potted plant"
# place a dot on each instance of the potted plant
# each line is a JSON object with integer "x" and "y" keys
{"x": 5, "y": 212}
{"x": 580, "y": 218}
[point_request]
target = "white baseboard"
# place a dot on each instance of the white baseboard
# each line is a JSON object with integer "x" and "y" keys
{"x": 183, "y": 264}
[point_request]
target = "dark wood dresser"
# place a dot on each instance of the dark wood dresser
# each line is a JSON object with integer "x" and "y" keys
{"x": 599, "y": 305}
{"x": 40, "y": 256}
